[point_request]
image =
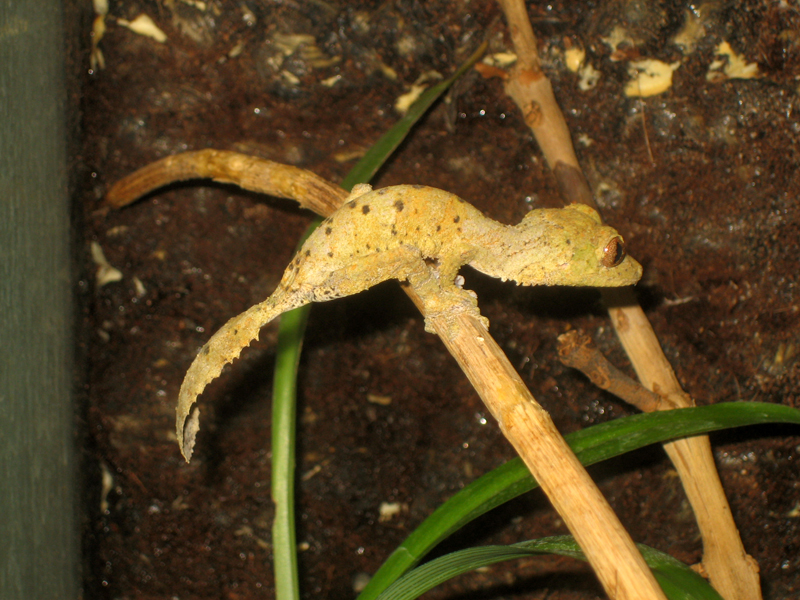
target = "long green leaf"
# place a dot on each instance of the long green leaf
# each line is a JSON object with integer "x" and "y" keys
{"x": 284, "y": 432}
{"x": 290, "y": 338}
{"x": 591, "y": 445}
{"x": 677, "y": 580}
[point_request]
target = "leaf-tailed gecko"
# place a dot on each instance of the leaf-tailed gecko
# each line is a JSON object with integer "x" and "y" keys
{"x": 424, "y": 236}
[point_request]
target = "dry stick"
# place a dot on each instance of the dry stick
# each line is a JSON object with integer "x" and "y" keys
{"x": 532, "y": 92}
{"x": 610, "y": 550}
{"x": 524, "y": 422}
{"x": 732, "y": 572}
{"x": 577, "y": 350}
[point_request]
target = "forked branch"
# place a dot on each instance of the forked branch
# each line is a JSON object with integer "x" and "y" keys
{"x": 731, "y": 570}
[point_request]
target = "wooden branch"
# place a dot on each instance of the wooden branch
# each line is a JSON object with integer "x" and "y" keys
{"x": 579, "y": 352}
{"x": 732, "y": 572}
{"x": 531, "y": 91}
{"x": 617, "y": 563}
{"x": 730, "y": 569}
{"x": 522, "y": 36}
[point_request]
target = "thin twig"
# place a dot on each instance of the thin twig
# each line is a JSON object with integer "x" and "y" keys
{"x": 646, "y": 135}
{"x": 608, "y": 547}
{"x": 732, "y": 572}
{"x": 579, "y": 352}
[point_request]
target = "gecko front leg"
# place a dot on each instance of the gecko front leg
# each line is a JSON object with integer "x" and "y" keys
{"x": 443, "y": 296}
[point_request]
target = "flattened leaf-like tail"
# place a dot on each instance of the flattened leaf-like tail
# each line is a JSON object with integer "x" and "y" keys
{"x": 223, "y": 348}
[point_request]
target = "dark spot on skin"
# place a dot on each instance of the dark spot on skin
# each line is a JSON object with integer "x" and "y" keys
{"x": 458, "y": 229}
{"x": 207, "y": 350}
{"x": 377, "y": 249}
{"x": 328, "y": 230}
{"x": 365, "y": 209}
{"x": 438, "y": 228}
{"x": 330, "y": 254}
{"x": 417, "y": 186}
{"x": 457, "y": 219}
{"x": 417, "y": 227}
{"x": 394, "y": 231}
{"x": 368, "y": 246}
{"x": 399, "y": 205}
{"x": 308, "y": 252}
{"x": 382, "y": 192}
{"x": 568, "y": 242}
{"x": 351, "y": 204}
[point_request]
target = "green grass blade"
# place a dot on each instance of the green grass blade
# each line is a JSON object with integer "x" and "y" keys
{"x": 591, "y": 445}
{"x": 677, "y": 580}
{"x": 290, "y": 339}
{"x": 284, "y": 434}
{"x": 284, "y": 418}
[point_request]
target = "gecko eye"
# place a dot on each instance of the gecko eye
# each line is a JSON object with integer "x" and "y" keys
{"x": 613, "y": 253}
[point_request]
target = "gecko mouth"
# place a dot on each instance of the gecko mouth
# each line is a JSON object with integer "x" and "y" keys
{"x": 613, "y": 252}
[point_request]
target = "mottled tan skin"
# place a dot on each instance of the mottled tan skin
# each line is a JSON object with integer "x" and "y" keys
{"x": 424, "y": 236}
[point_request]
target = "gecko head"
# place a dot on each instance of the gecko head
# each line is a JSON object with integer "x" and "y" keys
{"x": 571, "y": 246}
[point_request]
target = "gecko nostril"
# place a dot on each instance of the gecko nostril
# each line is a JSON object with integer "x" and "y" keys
{"x": 613, "y": 253}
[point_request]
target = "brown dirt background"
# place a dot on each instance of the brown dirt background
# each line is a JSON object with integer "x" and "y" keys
{"x": 713, "y": 217}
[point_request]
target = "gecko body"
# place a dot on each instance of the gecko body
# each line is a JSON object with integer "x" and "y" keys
{"x": 422, "y": 235}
